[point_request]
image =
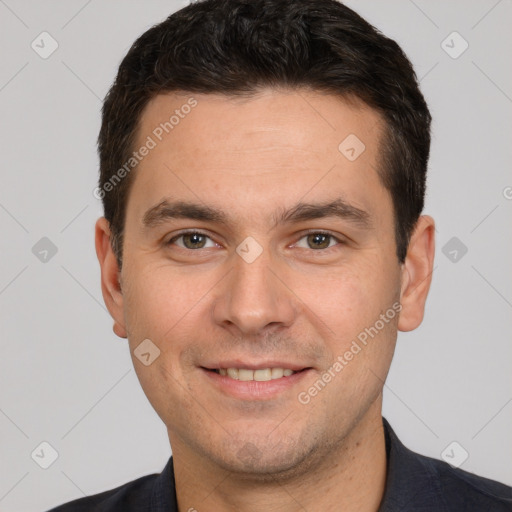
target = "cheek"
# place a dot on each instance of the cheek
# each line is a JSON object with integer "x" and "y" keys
{"x": 351, "y": 296}
{"x": 160, "y": 308}
{"x": 351, "y": 303}
{"x": 157, "y": 299}
{"x": 362, "y": 317}
{"x": 171, "y": 309}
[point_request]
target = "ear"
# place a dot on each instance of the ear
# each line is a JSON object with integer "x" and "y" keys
{"x": 417, "y": 274}
{"x": 110, "y": 283}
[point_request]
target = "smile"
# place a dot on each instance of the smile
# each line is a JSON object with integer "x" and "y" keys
{"x": 261, "y": 375}
{"x": 256, "y": 383}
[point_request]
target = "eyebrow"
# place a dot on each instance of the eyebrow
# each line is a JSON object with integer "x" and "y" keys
{"x": 339, "y": 208}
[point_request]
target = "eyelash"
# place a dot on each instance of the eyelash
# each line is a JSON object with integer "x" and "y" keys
{"x": 312, "y": 232}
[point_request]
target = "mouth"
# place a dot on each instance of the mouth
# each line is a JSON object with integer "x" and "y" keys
{"x": 260, "y": 375}
{"x": 262, "y": 382}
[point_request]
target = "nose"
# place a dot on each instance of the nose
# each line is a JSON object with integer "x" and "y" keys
{"x": 254, "y": 299}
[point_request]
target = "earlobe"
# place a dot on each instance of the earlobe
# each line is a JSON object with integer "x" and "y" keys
{"x": 417, "y": 274}
{"x": 110, "y": 285}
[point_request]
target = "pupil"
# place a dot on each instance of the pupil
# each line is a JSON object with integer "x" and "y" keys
{"x": 318, "y": 237}
{"x": 194, "y": 238}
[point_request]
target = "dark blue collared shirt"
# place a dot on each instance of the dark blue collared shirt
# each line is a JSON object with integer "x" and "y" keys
{"x": 414, "y": 483}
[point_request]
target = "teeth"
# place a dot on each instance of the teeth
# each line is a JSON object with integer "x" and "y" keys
{"x": 233, "y": 373}
{"x": 245, "y": 374}
{"x": 277, "y": 373}
{"x": 261, "y": 375}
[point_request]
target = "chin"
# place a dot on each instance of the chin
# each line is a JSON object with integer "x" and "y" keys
{"x": 262, "y": 461}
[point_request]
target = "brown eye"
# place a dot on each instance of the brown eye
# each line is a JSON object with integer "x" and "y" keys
{"x": 191, "y": 240}
{"x": 319, "y": 240}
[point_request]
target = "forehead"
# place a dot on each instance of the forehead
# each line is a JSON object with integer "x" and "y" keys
{"x": 260, "y": 150}
{"x": 302, "y": 118}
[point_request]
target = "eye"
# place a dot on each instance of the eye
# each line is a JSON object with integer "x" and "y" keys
{"x": 192, "y": 240}
{"x": 319, "y": 240}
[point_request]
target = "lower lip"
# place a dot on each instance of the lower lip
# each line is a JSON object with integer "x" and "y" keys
{"x": 253, "y": 389}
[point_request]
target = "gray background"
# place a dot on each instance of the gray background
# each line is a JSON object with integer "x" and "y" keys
{"x": 66, "y": 379}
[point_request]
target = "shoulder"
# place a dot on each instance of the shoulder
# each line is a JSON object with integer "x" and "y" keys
{"x": 153, "y": 493}
{"x": 461, "y": 490}
{"x": 128, "y": 497}
{"x": 418, "y": 482}
{"x": 125, "y": 497}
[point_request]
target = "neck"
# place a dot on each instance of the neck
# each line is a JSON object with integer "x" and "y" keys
{"x": 352, "y": 477}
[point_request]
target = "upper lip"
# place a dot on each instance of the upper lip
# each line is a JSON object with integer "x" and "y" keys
{"x": 237, "y": 363}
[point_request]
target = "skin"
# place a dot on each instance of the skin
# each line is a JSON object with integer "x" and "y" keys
{"x": 301, "y": 300}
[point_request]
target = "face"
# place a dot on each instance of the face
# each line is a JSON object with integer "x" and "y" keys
{"x": 255, "y": 274}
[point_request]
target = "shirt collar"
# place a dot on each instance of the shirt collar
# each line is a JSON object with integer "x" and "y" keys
{"x": 412, "y": 482}
{"x": 163, "y": 498}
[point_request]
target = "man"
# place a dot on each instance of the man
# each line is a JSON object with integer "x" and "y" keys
{"x": 263, "y": 168}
